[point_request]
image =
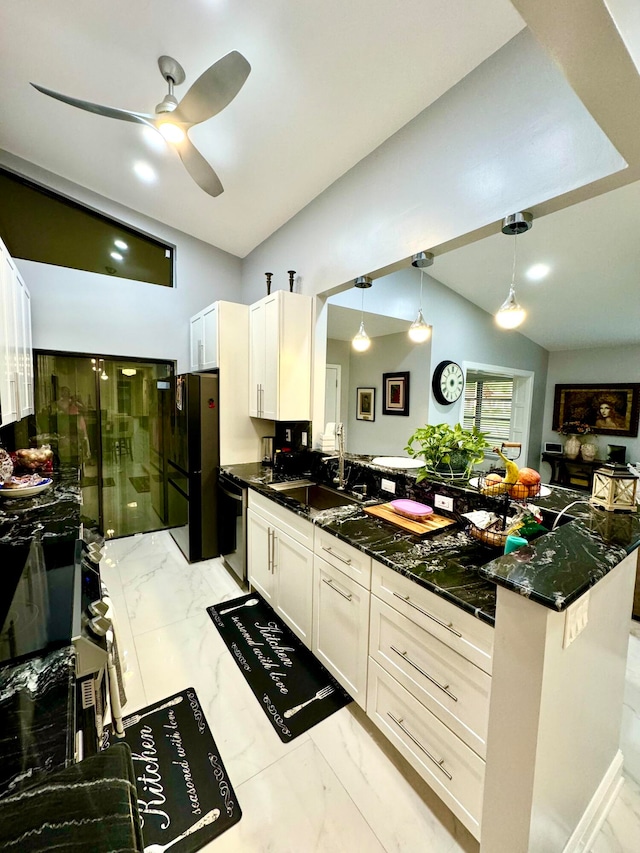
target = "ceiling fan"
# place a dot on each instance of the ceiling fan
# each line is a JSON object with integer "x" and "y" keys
{"x": 210, "y": 94}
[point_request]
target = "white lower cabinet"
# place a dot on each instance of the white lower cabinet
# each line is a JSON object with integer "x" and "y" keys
{"x": 341, "y": 627}
{"x": 280, "y": 562}
{"x": 429, "y": 687}
{"x": 449, "y": 766}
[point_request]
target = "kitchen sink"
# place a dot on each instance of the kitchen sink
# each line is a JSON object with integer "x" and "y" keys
{"x": 314, "y": 495}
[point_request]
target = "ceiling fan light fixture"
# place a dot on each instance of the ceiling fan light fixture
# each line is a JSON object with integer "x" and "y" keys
{"x": 167, "y": 104}
{"x": 171, "y": 132}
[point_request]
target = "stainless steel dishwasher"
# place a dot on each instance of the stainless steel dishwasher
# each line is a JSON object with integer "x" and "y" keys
{"x": 232, "y": 525}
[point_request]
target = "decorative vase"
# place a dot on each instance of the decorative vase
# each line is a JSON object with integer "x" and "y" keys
{"x": 572, "y": 447}
{"x": 588, "y": 451}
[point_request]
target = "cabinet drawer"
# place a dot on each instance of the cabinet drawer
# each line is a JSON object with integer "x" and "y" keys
{"x": 345, "y": 557}
{"x": 451, "y": 687}
{"x": 447, "y": 764}
{"x": 288, "y": 521}
{"x": 341, "y": 627}
{"x": 461, "y": 631}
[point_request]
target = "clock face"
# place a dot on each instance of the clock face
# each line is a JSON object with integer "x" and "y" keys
{"x": 448, "y": 382}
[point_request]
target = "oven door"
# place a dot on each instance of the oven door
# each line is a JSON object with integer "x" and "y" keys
{"x": 232, "y": 531}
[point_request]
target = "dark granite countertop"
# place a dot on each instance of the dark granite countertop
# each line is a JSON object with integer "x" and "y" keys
{"x": 37, "y": 707}
{"x": 553, "y": 570}
{"x": 52, "y": 515}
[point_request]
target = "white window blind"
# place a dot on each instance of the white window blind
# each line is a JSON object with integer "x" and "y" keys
{"x": 488, "y": 404}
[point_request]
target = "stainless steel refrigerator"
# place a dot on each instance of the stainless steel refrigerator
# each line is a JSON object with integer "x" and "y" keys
{"x": 192, "y": 465}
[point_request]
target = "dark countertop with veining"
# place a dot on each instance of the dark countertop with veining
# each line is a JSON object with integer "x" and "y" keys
{"x": 36, "y": 718}
{"x": 554, "y": 570}
{"x": 52, "y": 515}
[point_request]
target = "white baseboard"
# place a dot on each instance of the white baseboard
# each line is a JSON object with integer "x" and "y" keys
{"x": 590, "y": 824}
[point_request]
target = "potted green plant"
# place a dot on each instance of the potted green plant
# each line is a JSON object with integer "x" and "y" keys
{"x": 448, "y": 451}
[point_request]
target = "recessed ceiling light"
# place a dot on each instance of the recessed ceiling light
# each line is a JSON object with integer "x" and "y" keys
{"x": 144, "y": 171}
{"x": 537, "y": 272}
{"x": 116, "y": 256}
{"x": 133, "y": 504}
{"x": 171, "y": 132}
{"x": 120, "y": 244}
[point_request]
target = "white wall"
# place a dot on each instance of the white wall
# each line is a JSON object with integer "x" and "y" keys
{"x": 607, "y": 364}
{"x": 461, "y": 332}
{"x": 77, "y": 311}
{"x": 508, "y": 136}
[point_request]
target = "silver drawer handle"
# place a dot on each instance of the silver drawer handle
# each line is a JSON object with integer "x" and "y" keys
{"x": 405, "y": 598}
{"x": 418, "y": 744}
{"x": 443, "y": 687}
{"x": 330, "y": 550}
{"x": 335, "y": 589}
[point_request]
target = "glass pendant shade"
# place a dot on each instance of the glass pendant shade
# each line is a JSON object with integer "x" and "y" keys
{"x": 361, "y": 341}
{"x": 419, "y": 331}
{"x": 510, "y": 314}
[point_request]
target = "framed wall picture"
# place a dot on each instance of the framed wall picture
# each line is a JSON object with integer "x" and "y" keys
{"x": 395, "y": 393}
{"x": 366, "y": 404}
{"x": 609, "y": 409}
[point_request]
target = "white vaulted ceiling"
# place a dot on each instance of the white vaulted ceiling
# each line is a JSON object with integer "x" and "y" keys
{"x": 330, "y": 81}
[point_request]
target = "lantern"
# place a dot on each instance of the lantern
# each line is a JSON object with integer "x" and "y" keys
{"x": 614, "y": 488}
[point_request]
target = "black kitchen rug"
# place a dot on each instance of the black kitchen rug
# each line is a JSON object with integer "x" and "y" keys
{"x": 293, "y": 688}
{"x": 185, "y": 797}
{"x": 140, "y": 484}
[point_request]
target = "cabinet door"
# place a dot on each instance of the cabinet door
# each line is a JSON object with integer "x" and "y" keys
{"x": 24, "y": 350}
{"x": 196, "y": 338}
{"x": 341, "y": 628}
{"x": 294, "y": 581}
{"x": 259, "y": 556}
{"x": 256, "y": 359}
{"x": 8, "y": 365}
{"x": 271, "y": 358}
{"x": 210, "y": 338}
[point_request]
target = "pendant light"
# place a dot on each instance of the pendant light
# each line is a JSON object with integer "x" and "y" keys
{"x": 362, "y": 341}
{"x": 511, "y": 314}
{"x": 420, "y": 331}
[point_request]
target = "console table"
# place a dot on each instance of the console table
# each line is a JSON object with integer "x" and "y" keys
{"x": 572, "y": 473}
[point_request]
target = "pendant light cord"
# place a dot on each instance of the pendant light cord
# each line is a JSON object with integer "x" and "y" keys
{"x": 513, "y": 271}
{"x": 421, "y": 275}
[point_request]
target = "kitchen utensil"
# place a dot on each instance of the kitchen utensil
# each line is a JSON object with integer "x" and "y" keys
{"x": 321, "y": 694}
{"x": 26, "y": 491}
{"x": 132, "y": 721}
{"x": 268, "y": 444}
{"x": 433, "y": 524}
{"x": 251, "y": 602}
{"x": 208, "y": 819}
{"x": 411, "y": 509}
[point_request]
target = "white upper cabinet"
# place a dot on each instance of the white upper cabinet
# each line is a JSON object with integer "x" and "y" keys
{"x": 16, "y": 354}
{"x": 210, "y": 355}
{"x": 196, "y": 326}
{"x": 280, "y": 357}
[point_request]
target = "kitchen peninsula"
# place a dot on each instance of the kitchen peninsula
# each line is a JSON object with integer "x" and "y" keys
{"x": 522, "y": 739}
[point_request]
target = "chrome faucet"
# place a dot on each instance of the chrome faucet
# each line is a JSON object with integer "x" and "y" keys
{"x": 340, "y": 480}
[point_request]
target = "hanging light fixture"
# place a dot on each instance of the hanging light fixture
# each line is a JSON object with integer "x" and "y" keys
{"x": 362, "y": 341}
{"x": 420, "y": 331}
{"x": 511, "y": 314}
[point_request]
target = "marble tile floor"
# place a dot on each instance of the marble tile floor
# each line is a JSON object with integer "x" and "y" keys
{"x": 340, "y": 786}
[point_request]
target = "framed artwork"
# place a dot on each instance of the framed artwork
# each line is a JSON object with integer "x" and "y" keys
{"x": 366, "y": 404}
{"x": 609, "y": 409}
{"x": 395, "y": 393}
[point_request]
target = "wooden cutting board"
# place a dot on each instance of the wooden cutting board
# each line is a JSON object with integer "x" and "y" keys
{"x": 434, "y": 524}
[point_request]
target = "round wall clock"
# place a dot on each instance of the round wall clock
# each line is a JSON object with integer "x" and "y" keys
{"x": 447, "y": 382}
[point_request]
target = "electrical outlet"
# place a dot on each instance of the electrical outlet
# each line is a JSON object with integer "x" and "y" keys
{"x": 388, "y": 486}
{"x": 304, "y": 439}
{"x": 575, "y": 620}
{"x": 443, "y": 502}
{"x": 287, "y": 435}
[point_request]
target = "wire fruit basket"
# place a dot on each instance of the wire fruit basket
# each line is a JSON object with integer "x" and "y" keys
{"x": 492, "y": 482}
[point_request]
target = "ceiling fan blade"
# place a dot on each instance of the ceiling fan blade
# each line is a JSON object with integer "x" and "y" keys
{"x": 98, "y": 109}
{"x": 199, "y": 169}
{"x": 214, "y": 89}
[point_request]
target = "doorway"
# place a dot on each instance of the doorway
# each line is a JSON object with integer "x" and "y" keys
{"x": 104, "y": 416}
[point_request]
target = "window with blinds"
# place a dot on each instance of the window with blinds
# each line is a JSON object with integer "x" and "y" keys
{"x": 488, "y": 404}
